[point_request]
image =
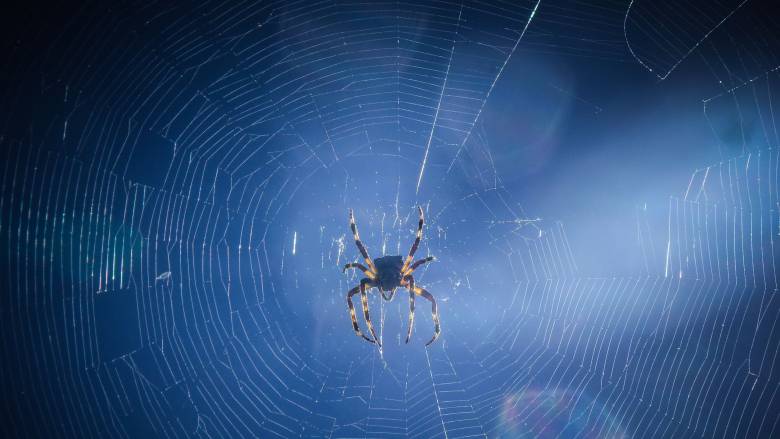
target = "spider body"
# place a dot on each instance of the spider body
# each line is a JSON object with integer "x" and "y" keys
{"x": 389, "y": 274}
{"x": 386, "y": 274}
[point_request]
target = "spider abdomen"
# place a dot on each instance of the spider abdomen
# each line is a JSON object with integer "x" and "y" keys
{"x": 389, "y": 270}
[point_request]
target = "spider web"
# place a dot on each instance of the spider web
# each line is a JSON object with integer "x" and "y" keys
{"x": 174, "y": 200}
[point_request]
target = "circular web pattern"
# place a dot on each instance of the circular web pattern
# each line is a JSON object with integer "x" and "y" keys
{"x": 175, "y": 189}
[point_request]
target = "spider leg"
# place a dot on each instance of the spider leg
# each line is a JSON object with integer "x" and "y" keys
{"x": 410, "y": 285}
{"x": 364, "y": 300}
{"x": 362, "y": 268}
{"x": 416, "y": 241}
{"x": 359, "y": 243}
{"x": 358, "y": 289}
{"x": 414, "y": 266}
{"x": 434, "y": 310}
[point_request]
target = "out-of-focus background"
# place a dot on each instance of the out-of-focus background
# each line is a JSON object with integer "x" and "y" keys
{"x": 600, "y": 183}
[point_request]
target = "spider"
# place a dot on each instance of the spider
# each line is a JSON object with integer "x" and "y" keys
{"x": 386, "y": 274}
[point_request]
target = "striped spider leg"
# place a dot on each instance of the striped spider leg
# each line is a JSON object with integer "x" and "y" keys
{"x": 365, "y": 284}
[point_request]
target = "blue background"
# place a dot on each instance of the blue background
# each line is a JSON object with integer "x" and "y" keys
{"x": 600, "y": 189}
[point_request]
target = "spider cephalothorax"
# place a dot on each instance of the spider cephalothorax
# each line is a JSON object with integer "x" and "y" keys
{"x": 386, "y": 274}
